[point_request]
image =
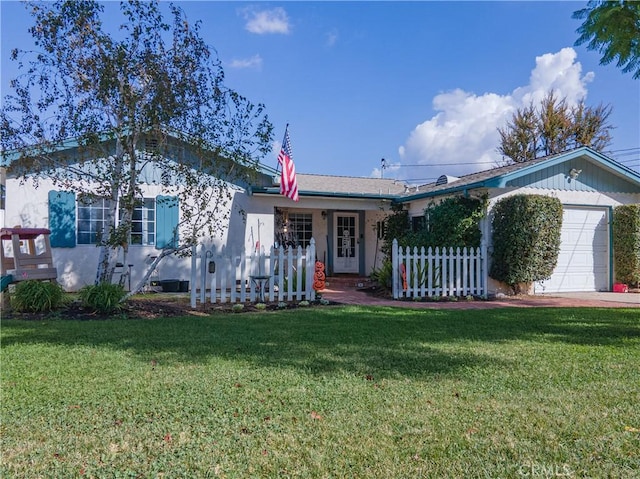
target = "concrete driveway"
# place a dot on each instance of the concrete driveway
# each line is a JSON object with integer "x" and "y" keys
{"x": 633, "y": 299}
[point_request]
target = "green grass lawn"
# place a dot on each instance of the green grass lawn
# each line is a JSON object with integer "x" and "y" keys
{"x": 325, "y": 392}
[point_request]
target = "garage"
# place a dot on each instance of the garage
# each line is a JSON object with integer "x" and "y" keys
{"x": 583, "y": 261}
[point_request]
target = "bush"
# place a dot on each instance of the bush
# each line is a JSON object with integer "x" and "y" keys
{"x": 397, "y": 225}
{"x": 452, "y": 222}
{"x": 626, "y": 244}
{"x": 104, "y": 297}
{"x": 237, "y": 308}
{"x": 384, "y": 275}
{"x": 455, "y": 221}
{"x": 526, "y": 239}
{"x": 38, "y": 296}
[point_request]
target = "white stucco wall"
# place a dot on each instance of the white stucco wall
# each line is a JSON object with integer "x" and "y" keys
{"x": 251, "y": 219}
{"x": 27, "y": 206}
{"x": 374, "y": 210}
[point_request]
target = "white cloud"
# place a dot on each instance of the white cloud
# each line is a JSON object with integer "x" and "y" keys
{"x": 253, "y": 62}
{"x": 266, "y": 21}
{"x": 390, "y": 171}
{"x": 464, "y": 129}
{"x": 276, "y": 146}
{"x": 559, "y": 72}
{"x": 331, "y": 37}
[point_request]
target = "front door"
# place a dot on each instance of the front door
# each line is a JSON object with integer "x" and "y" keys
{"x": 345, "y": 256}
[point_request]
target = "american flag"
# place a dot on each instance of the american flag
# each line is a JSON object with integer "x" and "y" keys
{"x": 288, "y": 181}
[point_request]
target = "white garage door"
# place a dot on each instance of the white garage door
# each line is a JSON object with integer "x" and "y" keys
{"x": 583, "y": 262}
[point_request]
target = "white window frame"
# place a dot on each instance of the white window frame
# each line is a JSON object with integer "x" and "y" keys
{"x": 92, "y": 213}
{"x": 90, "y": 219}
{"x": 144, "y": 227}
{"x": 301, "y": 226}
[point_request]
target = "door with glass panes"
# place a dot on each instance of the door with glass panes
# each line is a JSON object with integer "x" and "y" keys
{"x": 345, "y": 244}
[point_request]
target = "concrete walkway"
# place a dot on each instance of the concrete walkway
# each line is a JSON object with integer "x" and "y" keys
{"x": 345, "y": 292}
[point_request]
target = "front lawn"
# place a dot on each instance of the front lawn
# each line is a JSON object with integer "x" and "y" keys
{"x": 325, "y": 392}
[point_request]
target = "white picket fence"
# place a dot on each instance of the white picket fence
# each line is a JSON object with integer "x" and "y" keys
{"x": 438, "y": 272}
{"x": 282, "y": 275}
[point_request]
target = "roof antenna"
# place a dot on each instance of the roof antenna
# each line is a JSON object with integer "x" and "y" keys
{"x": 383, "y": 166}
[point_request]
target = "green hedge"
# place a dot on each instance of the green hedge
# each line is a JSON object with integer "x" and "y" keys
{"x": 626, "y": 244}
{"x": 455, "y": 221}
{"x": 397, "y": 225}
{"x": 526, "y": 239}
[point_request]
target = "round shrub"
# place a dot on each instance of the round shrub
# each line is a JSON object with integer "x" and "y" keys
{"x": 626, "y": 244}
{"x": 526, "y": 239}
{"x": 104, "y": 298}
{"x": 38, "y": 296}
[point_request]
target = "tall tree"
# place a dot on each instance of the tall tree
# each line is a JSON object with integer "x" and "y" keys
{"x": 155, "y": 82}
{"x": 554, "y": 124}
{"x": 554, "y": 127}
{"x": 612, "y": 28}
{"x": 519, "y": 139}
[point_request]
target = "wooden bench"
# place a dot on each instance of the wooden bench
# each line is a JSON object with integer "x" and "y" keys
{"x": 24, "y": 262}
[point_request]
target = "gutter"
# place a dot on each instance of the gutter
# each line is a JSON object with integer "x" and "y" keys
{"x": 454, "y": 189}
{"x": 261, "y": 191}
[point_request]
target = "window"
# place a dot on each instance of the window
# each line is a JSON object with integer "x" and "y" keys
{"x": 346, "y": 235}
{"x": 83, "y": 220}
{"x": 143, "y": 223}
{"x": 93, "y": 214}
{"x": 300, "y": 225}
{"x": 418, "y": 223}
{"x": 93, "y": 221}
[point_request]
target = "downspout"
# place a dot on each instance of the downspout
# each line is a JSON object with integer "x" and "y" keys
{"x": 329, "y": 265}
{"x": 3, "y": 192}
{"x": 484, "y": 251}
{"x": 361, "y": 241}
{"x": 611, "y": 262}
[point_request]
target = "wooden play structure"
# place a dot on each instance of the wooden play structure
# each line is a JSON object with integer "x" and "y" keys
{"x": 19, "y": 259}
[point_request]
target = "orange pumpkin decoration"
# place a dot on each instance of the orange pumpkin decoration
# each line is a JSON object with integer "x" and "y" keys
{"x": 319, "y": 276}
{"x": 403, "y": 273}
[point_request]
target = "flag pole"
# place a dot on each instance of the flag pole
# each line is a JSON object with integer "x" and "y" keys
{"x": 285, "y": 135}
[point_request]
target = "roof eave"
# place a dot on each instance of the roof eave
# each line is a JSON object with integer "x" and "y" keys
{"x": 445, "y": 191}
{"x": 325, "y": 194}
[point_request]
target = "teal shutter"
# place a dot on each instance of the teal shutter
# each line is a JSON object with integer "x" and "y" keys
{"x": 62, "y": 219}
{"x": 166, "y": 222}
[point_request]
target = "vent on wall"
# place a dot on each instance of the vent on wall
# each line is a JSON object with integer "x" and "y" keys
{"x": 446, "y": 179}
{"x": 151, "y": 144}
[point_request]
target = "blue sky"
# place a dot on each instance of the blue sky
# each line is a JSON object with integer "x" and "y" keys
{"x": 416, "y": 83}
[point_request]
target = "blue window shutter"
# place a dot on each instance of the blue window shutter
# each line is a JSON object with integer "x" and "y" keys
{"x": 62, "y": 219}
{"x": 166, "y": 222}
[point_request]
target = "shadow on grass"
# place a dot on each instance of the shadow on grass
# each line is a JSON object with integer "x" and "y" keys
{"x": 385, "y": 342}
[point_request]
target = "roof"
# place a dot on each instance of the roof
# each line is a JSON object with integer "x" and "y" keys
{"x": 342, "y": 187}
{"x": 7, "y": 158}
{"x": 501, "y": 176}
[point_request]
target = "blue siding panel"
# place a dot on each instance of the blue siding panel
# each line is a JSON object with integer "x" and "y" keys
{"x": 62, "y": 219}
{"x": 592, "y": 177}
